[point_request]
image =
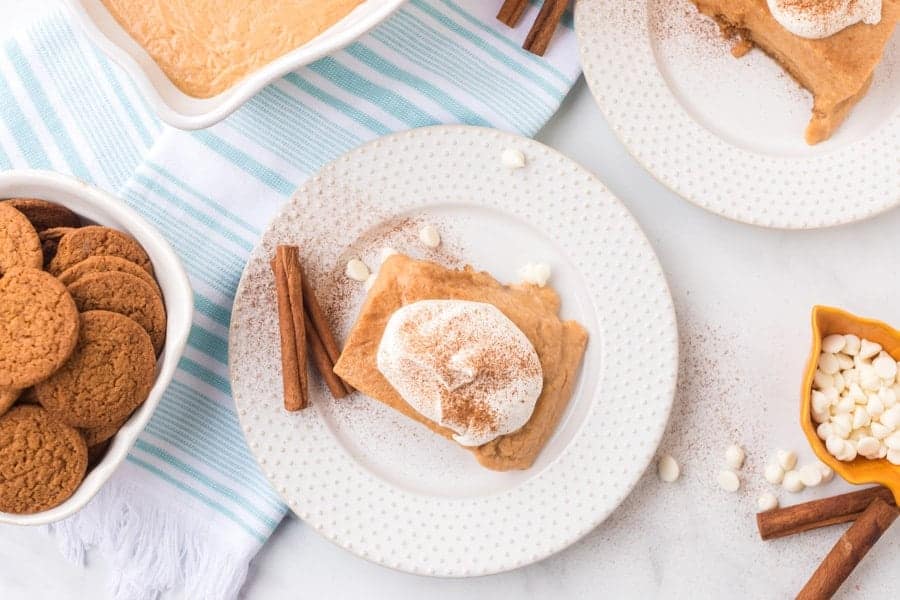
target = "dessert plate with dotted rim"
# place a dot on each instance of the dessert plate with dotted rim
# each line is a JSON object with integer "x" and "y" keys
{"x": 726, "y": 133}
{"x": 385, "y": 487}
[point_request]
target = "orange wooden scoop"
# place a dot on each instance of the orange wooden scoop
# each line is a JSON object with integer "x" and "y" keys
{"x": 857, "y": 540}
{"x": 825, "y": 321}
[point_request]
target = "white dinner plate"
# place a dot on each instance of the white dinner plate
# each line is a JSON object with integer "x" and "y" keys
{"x": 385, "y": 487}
{"x": 726, "y": 133}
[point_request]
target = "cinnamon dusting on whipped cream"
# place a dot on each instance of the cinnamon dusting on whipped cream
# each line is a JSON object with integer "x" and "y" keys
{"x": 464, "y": 365}
{"x": 817, "y": 19}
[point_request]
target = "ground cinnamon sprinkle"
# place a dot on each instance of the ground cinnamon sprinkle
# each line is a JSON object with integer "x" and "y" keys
{"x": 475, "y": 417}
{"x": 674, "y": 19}
{"x": 342, "y": 297}
{"x": 816, "y": 7}
{"x": 462, "y": 400}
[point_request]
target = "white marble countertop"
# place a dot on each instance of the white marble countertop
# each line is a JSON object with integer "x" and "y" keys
{"x": 743, "y": 297}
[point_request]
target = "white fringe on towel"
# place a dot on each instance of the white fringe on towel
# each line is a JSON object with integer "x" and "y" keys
{"x": 151, "y": 550}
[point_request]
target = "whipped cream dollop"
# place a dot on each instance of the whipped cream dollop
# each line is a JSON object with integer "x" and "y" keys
{"x": 817, "y": 19}
{"x": 463, "y": 365}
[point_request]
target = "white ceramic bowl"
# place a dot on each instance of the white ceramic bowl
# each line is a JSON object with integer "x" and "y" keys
{"x": 187, "y": 112}
{"x": 96, "y": 206}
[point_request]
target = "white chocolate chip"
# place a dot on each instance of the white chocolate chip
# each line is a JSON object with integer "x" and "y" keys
{"x": 869, "y": 380}
{"x": 879, "y": 431}
{"x": 851, "y": 345}
{"x": 734, "y": 456}
{"x": 849, "y": 453}
{"x": 835, "y": 445}
{"x": 729, "y": 481}
{"x": 840, "y": 384}
{"x": 827, "y": 472}
{"x": 357, "y": 270}
{"x": 868, "y": 349}
{"x": 842, "y": 425}
{"x": 868, "y": 447}
{"x": 875, "y": 407}
{"x": 845, "y": 406}
{"x": 893, "y": 457}
{"x": 885, "y": 366}
{"x": 891, "y": 417}
{"x": 767, "y": 501}
{"x": 822, "y": 380}
{"x": 849, "y": 449}
{"x": 820, "y": 402}
{"x": 512, "y": 158}
{"x": 820, "y": 416}
{"x": 825, "y": 430}
{"x": 855, "y": 393}
{"x": 828, "y": 363}
{"x": 896, "y": 389}
{"x": 430, "y": 236}
{"x": 787, "y": 459}
{"x": 810, "y": 475}
{"x": 792, "y": 482}
{"x": 774, "y": 473}
{"x": 845, "y": 362}
{"x": 855, "y": 407}
{"x": 833, "y": 343}
{"x": 888, "y": 396}
{"x": 535, "y": 273}
{"x": 668, "y": 468}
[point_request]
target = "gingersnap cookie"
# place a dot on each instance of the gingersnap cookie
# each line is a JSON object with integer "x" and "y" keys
{"x": 109, "y": 374}
{"x": 94, "y": 436}
{"x": 104, "y": 264}
{"x": 8, "y": 397}
{"x": 125, "y": 294}
{"x": 95, "y": 240}
{"x": 44, "y": 214}
{"x": 19, "y": 242}
{"x": 38, "y": 327}
{"x": 42, "y": 460}
{"x": 50, "y": 241}
{"x": 96, "y": 454}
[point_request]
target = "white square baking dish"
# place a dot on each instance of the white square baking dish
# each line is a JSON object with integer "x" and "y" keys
{"x": 187, "y": 112}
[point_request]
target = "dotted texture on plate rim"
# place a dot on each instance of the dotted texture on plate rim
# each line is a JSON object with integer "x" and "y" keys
{"x": 851, "y": 183}
{"x": 463, "y": 536}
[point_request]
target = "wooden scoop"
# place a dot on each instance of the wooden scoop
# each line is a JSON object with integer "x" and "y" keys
{"x": 857, "y": 540}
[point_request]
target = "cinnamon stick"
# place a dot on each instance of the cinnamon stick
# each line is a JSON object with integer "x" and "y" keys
{"x": 290, "y": 256}
{"x": 320, "y": 325}
{"x": 818, "y": 513}
{"x": 849, "y": 551}
{"x": 286, "y": 267}
{"x": 511, "y": 12}
{"x": 323, "y": 362}
{"x": 544, "y": 26}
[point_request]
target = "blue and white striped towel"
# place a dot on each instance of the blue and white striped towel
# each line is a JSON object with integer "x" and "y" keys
{"x": 190, "y": 507}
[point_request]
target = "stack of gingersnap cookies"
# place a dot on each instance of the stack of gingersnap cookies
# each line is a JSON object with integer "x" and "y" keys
{"x": 82, "y": 321}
